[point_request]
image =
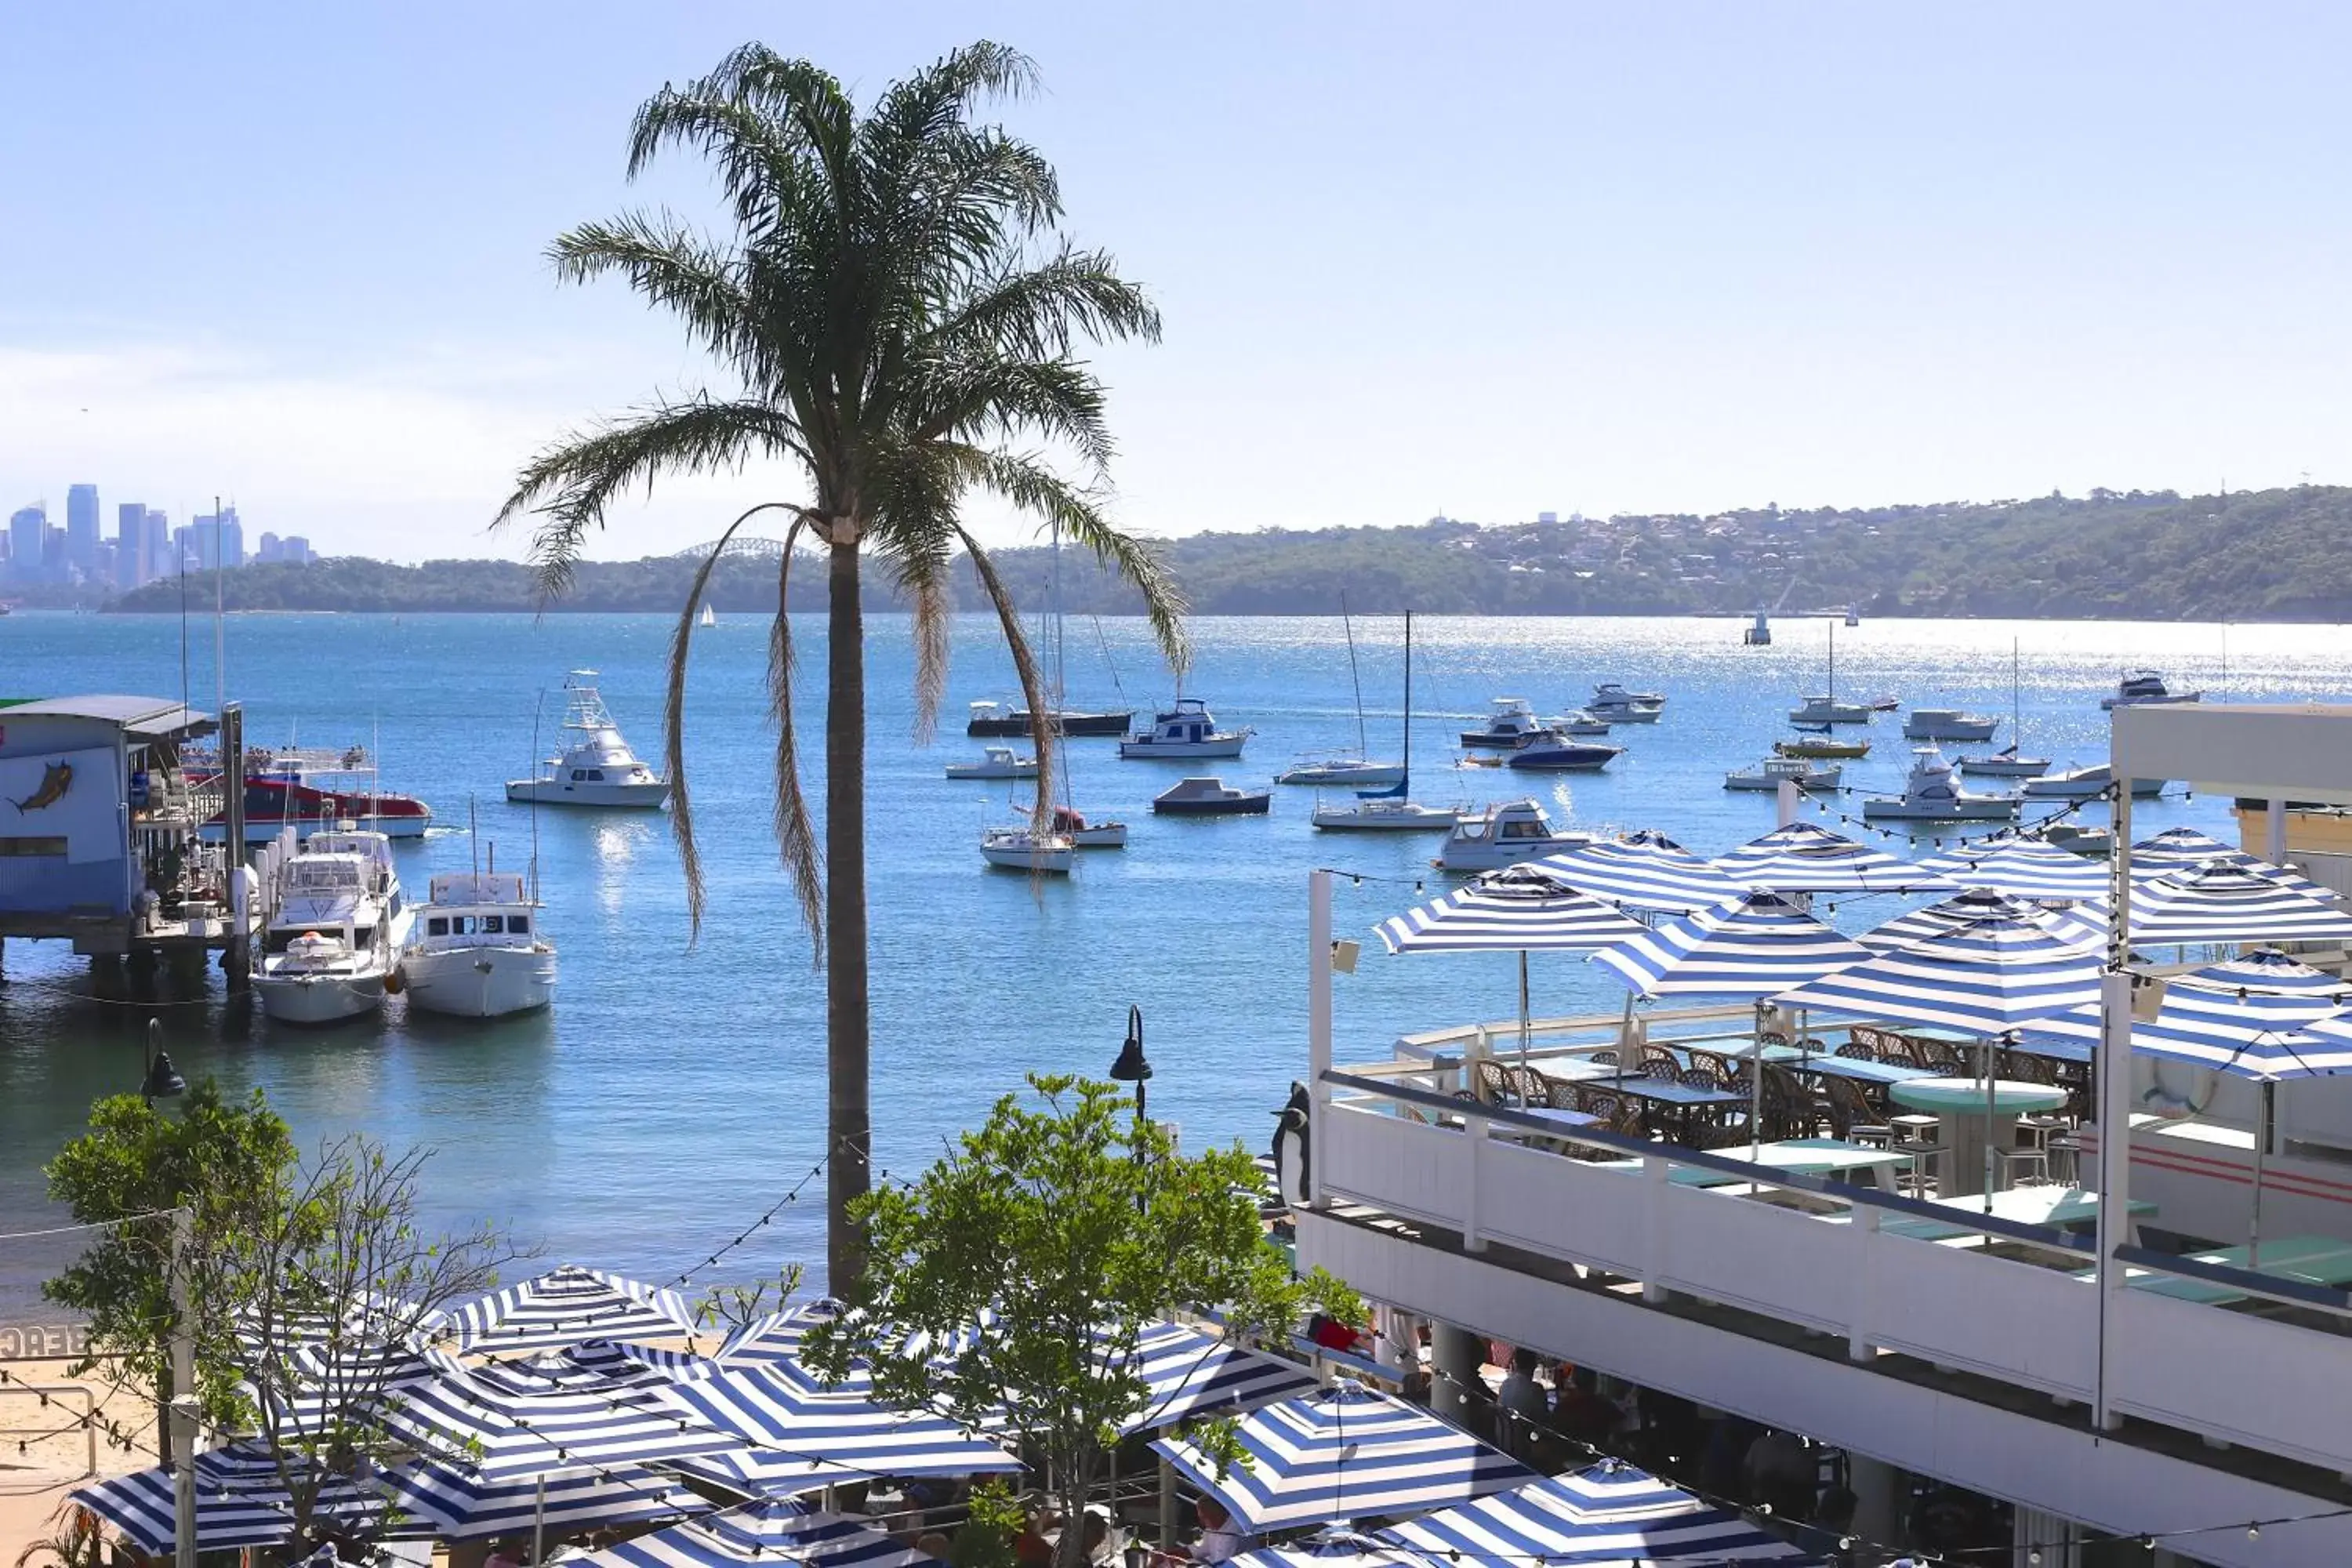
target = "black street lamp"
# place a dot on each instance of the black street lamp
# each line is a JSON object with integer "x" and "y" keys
{"x": 1133, "y": 1068}
{"x": 162, "y": 1080}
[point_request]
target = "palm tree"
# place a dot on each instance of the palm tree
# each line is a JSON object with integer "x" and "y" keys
{"x": 894, "y": 313}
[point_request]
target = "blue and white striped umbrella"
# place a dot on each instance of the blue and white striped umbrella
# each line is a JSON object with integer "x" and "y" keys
{"x": 2264, "y": 1016}
{"x": 568, "y": 1306}
{"x": 449, "y": 1499}
{"x": 2222, "y": 902}
{"x": 835, "y": 1433}
{"x": 1522, "y": 908}
{"x": 1989, "y": 977}
{"x": 768, "y": 1531}
{"x": 1806, "y": 858}
{"x": 1607, "y": 1514}
{"x": 1644, "y": 870}
{"x": 2023, "y": 866}
{"x": 1754, "y": 945}
{"x": 2074, "y": 927}
{"x": 1190, "y": 1372}
{"x": 240, "y": 1501}
{"x": 1347, "y": 1452}
{"x": 595, "y": 1364}
{"x": 509, "y": 1436}
{"x": 2182, "y": 849}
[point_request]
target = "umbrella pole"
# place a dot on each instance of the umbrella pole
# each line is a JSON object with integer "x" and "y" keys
{"x": 1986, "y": 1060}
{"x": 538, "y": 1524}
{"x": 1756, "y": 1085}
{"x": 1527, "y": 1020}
{"x": 2262, "y": 1147}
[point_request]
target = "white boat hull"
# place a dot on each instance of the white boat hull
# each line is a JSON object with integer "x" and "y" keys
{"x": 1049, "y": 859}
{"x": 1764, "y": 783}
{"x": 1481, "y": 856}
{"x": 1183, "y": 750}
{"x": 2168, "y": 700}
{"x": 1951, "y": 730}
{"x": 991, "y": 771}
{"x": 480, "y": 982}
{"x": 1627, "y": 715}
{"x": 1362, "y": 775}
{"x": 1106, "y": 836}
{"x": 1385, "y": 816}
{"x": 326, "y": 998}
{"x": 2005, "y": 767}
{"x": 609, "y": 797}
{"x": 1834, "y": 713}
{"x": 1980, "y": 810}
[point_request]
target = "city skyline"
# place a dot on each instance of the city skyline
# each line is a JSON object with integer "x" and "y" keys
{"x": 36, "y": 552}
{"x": 1673, "y": 259}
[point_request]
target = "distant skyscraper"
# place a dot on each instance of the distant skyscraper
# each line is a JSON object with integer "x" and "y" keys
{"x": 157, "y": 557}
{"x": 219, "y": 539}
{"x": 131, "y": 567}
{"x": 27, "y": 537}
{"x": 297, "y": 550}
{"x": 81, "y": 529}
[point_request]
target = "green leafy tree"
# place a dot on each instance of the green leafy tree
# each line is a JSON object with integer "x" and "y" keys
{"x": 895, "y": 316}
{"x": 1069, "y": 1225}
{"x": 218, "y": 1159}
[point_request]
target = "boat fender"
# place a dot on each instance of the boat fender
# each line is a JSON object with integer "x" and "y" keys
{"x": 396, "y": 982}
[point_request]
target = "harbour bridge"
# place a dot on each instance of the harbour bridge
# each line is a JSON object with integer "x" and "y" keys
{"x": 751, "y": 546}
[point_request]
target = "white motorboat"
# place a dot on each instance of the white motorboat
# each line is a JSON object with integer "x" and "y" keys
{"x": 1504, "y": 835}
{"x": 1343, "y": 771}
{"x": 1828, "y": 710}
{"x": 1210, "y": 797}
{"x": 1511, "y": 722}
{"x": 1947, "y": 724}
{"x": 1101, "y": 834}
{"x": 2005, "y": 763}
{"x": 1028, "y": 850}
{"x": 995, "y": 762}
{"x": 2085, "y": 784}
{"x": 1186, "y": 733}
{"x": 597, "y": 768}
{"x": 1586, "y": 722}
{"x": 339, "y": 933}
{"x": 1934, "y": 793}
{"x": 2146, "y": 688}
{"x": 478, "y": 952}
{"x": 1773, "y": 772}
{"x": 1010, "y": 719}
{"x": 1612, "y": 704}
{"x": 1555, "y": 753}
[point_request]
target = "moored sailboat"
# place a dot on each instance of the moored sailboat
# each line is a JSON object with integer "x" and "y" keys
{"x": 1389, "y": 810}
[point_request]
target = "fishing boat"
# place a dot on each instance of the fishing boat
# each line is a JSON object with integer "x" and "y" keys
{"x": 2085, "y": 784}
{"x": 1030, "y": 849}
{"x": 995, "y": 762}
{"x": 478, "y": 952}
{"x": 597, "y": 768}
{"x": 1933, "y": 792}
{"x": 1210, "y": 797}
{"x": 2146, "y": 688}
{"x": 1947, "y": 724}
{"x": 1348, "y": 768}
{"x": 1773, "y": 772}
{"x": 2007, "y": 763}
{"x": 1186, "y": 733}
{"x": 339, "y": 933}
{"x": 1554, "y": 752}
{"x": 1511, "y": 722}
{"x": 1504, "y": 834}
{"x": 1612, "y": 704}
{"x": 1008, "y": 719}
{"x": 308, "y": 788}
{"x": 1389, "y": 810}
{"x": 1821, "y": 747}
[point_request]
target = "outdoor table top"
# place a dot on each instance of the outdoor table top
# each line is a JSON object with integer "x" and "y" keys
{"x": 1803, "y": 1157}
{"x": 1666, "y": 1091}
{"x": 2005, "y": 1095}
{"x": 1558, "y": 1117}
{"x": 1860, "y": 1068}
{"x": 2303, "y": 1259}
{"x": 2041, "y": 1204}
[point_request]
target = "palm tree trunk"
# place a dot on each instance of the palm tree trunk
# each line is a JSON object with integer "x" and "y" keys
{"x": 849, "y": 1134}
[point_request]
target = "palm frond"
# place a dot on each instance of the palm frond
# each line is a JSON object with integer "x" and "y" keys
{"x": 925, "y": 579}
{"x": 1025, "y": 664}
{"x": 672, "y": 267}
{"x": 1040, "y": 312}
{"x": 1060, "y": 400}
{"x": 795, "y": 838}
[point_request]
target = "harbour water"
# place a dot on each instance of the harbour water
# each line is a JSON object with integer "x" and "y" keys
{"x": 676, "y": 1089}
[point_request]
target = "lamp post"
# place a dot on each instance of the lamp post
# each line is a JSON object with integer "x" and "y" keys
{"x": 1133, "y": 1068}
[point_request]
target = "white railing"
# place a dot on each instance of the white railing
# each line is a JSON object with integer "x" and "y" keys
{"x": 1831, "y": 1266}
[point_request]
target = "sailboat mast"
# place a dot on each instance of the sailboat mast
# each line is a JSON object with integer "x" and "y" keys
{"x": 1832, "y": 661}
{"x": 1355, "y": 678}
{"x": 1407, "y": 779}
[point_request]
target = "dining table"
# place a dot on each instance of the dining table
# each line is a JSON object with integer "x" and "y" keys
{"x": 1978, "y": 1115}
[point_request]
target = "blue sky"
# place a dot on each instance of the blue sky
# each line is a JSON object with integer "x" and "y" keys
{"x": 1490, "y": 259}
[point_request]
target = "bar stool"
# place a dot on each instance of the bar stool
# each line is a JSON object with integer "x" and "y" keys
{"x": 1915, "y": 1138}
{"x": 2048, "y": 1136}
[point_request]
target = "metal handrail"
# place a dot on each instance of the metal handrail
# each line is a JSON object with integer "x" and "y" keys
{"x": 45, "y": 1391}
{"x": 1761, "y": 1175}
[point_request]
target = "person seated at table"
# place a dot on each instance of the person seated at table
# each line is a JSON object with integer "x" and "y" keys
{"x": 1102, "y": 1543}
{"x": 1526, "y": 1406}
{"x": 1220, "y": 1540}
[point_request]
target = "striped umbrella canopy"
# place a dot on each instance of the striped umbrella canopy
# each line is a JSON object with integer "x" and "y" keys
{"x": 569, "y": 1305}
{"x": 594, "y": 1364}
{"x": 240, "y": 1501}
{"x": 449, "y": 1499}
{"x": 508, "y": 1436}
{"x": 1806, "y": 858}
{"x": 1344, "y": 1452}
{"x": 2183, "y": 850}
{"x": 767, "y": 1532}
{"x": 1754, "y": 945}
{"x": 834, "y": 1432}
{"x": 1644, "y": 870}
{"x": 2264, "y": 1016}
{"x": 2023, "y": 866}
{"x": 2074, "y": 926}
{"x": 775, "y": 1343}
{"x": 2224, "y": 901}
{"x": 1992, "y": 976}
{"x": 1522, "y": 908}
{"x": 350, "y": 1383}
{"x": 1607, "y": 1514}
{"x": 1190, "y": 1372}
